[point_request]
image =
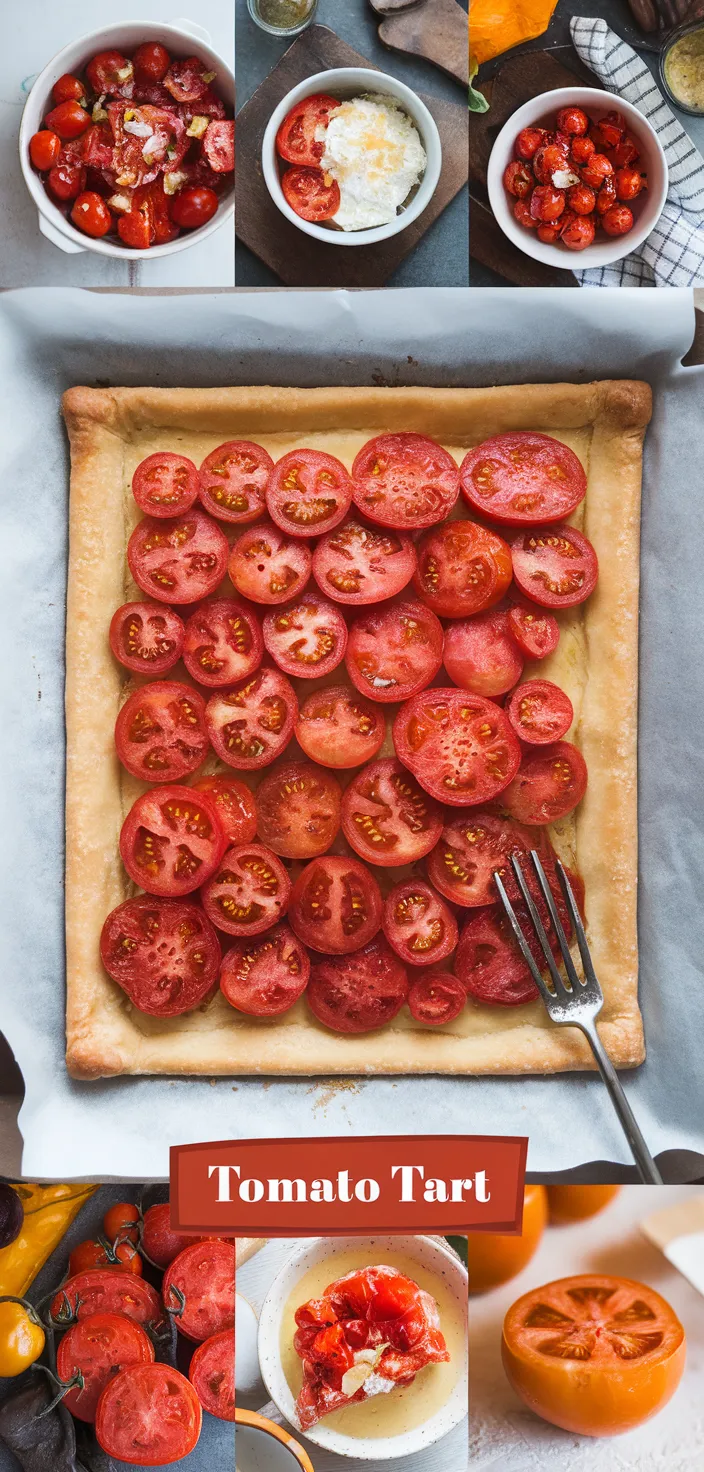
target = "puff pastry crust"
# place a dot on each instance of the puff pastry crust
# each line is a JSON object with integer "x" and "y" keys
{"x": 110, "y": 431}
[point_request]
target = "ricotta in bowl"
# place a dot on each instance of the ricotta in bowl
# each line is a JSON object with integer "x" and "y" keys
{"x": 374, "y": 152}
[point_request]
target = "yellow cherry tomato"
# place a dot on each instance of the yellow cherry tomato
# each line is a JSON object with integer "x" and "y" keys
{"x": 577, "y": 1203}
{"x": 495, "y": 1257}
{"x": 21, "y": 1340}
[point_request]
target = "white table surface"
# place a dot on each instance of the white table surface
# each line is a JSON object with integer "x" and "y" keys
{"x": 38, "y": 30}
{"x": 506, "y": 1437}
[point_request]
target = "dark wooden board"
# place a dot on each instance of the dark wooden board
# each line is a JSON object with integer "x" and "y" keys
{"x": 434, "y": 29}
{"x": 296, "y": 258}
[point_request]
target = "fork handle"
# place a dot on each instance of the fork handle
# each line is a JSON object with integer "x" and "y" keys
{"x": 641, "y": 1154}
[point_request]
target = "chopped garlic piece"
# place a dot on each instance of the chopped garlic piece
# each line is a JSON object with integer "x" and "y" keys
{"x": 120, "y": 203}
{"x": 209, "y": 76}
{"x": 99, "y": 114}
{"x": 354, "y": 1378}
{"x": 140, "y": 130}
{"x": 197, "y": 127}
{"x": 564, "y": 178}
{"x": 126, "y": 73}
{"x": 174, "y": 181}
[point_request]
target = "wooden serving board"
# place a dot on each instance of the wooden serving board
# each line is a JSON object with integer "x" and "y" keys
{"x": 296, "y": 258}
{"x": 437, "y": 30}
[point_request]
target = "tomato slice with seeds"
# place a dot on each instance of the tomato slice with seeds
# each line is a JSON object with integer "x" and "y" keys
{"x": 360, "y": 992}
{"x": 463, "y": 568}
{"x": 309, "y": 492}
{"x": 540, "y": 712}
{"x": 212, "y": 1375}
{"x": 146, "y": 638}
{"x": 489, "y": 963}
{"x": 536, "y": 632}
{"x": 296, "y": 140}
{"x": 268, "y": 566}
{"x": 298, "y": 809}
{"x": 98, "y": 1348}
{"x": 248, "y": 892}
{"x": 436, "y": 998}
{"x": 165, "y": 484}
{"x": 523, "y": 477}
{"x": 459, "y": 746}
{"x": 338, "y": 728}
{"x": 472, "y": 847}
{"x": 233, "y": 481}
{"x": 312, "y": 194}
{"x": 405, "y": 481}
{"x": 550, "y": 783}
{"x": 163, "y": 953}
{"x": 178, "y": 561}
{"x": 235, "y": 806}
{"x": 266, "y": 976}
{"x": 307, "y": 638}
{"x": 480, "y": 655}
{"x": 359, "y": 564}
{"x": 199, "y": 1289}
{"x": 418, "y": 924}
{"x": 107, "y": 1291}
{"x": 387, "y": 818}
{"x": 171, "y": 840}
{"x": 223, "y": 643}
{"x": 335, "y": 905}
{"x": 187, "y": 79}
{"x": 556, "y": 567}
{"x": 251, "y": 724}
{"x": 148, "y": 1416}
{"x": 394, "y": 652}
{"x": 160, "y": 733}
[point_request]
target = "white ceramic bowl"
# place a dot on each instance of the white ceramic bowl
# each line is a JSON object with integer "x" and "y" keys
{"x": 430, "y": 1253}
{"x": 345, "y": 82}
{"x": 181, "y": 38}
{"x": 540, "y": 111}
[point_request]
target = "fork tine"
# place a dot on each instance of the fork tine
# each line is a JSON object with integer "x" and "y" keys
{"x": 578, "y": 928}
{"x": 562, "y": 992}
{"x": 574, "y": 979}
{"x": 524, "y": 947}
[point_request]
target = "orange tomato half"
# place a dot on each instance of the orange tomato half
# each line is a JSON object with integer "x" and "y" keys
{"x": 577, "y": 1203}
{"x": 594, "y": 1354}
{"x": 495, "y": 1257}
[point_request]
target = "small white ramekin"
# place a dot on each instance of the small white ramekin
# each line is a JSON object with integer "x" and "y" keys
{"x": 181, "y": 38}
{"x": 345, "y": 82}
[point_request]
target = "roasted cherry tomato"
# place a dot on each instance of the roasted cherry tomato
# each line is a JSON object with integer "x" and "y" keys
{"x": 536, "y": 632}
{"x": 360, "y": 564}
{"x": 248, "y": 892}
{"x": 311, "y": 194}
{"x": 582, "y": 150}
{"x": 163, "y": 953}
{"x": 519, "y": 180}
{"x": 308, "y": 493}
{"x": 495, "y": 1257}
{"x": 148, "y": 1416}
{"x": 235, "y": 804}
{"x": 199, "y": 1289}
{"x": 579, "y": 232}
{"x": 404, "y": 481}
{"x": 151, "y": 62}
{"x": 550, "y": 158}
{"x": 160, "y": 1243}
{"x": 121, "y": 1222}
{"x": 171, "y": 840}
{"x": 335, "y": 905}
{"x": 265, "y": 976}
{"x": 212, "y": 1374}
{"x": 161, "y": 733}
{"x": 540, "y": 712}
{"x": 581, "y": 199}
{"x": 618, "y": 220}
{"x": 550, "y": 782}
{"x": 298, "y": 810}
{"x": 102, "y": 1291}
{"x": 187, "y": 79}
{"x": 66, "y": 180}
{"x": 97, "y": 1349}
{"x": 109, "y": 71}
{"x": 178, "y": 561}
{"x": 546, "y": 203}
{"x": 394, "y": 651}
{"x": 625, "y": 153}
{"x": 472, "y": 847}
{"x": 296, "y": 140}
{"x": 165, "y": 484}
{"x": 252, "y": 724}
{"x": 219, "y": 145}
{"x": 358, "y": 993}
{"x": 596, "y": 170}
{"x": 146, "y": 637}
{"x": 69, "y": 120}
{"x": 463, "y": 568}
{"x": 418, "y": 924}
{"x": 268, "y": 566}
{"x": 479, "y": 654}
{"x": 91, "y": 214}
{"x": 233, "y": 481}
{"x": 307, "y": 638}
{"x": 223, "y": 642}
{"x": 69, "y": 89}
{"x": 528, "y": 142}
{"x": 460, "y": 746}
{"x": 387, "y": 818}
{"x": 521, "y": 212}
{"x": 556, "y": 567}
{"x": 123, "y": 1258}
{"x": 193, "y": 207}
{"x": 629, "y": 183}
{"x": 568, "y": 1204}
{"x": 523, "y": 477}
{"x": 572, "y": 120}
{"x": 436, "y": 998}
{"x": 338, "y": 728}
{"x": 606, "y": 196}
{"x": 44, "y": 149}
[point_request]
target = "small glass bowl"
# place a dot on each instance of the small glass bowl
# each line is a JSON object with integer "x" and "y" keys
{"x": 673, "y": 38}
{"x": 281, "y": 31}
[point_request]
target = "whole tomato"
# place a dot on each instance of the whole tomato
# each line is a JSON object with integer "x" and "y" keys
{"x": 91, "y": 214}
{"x": 44, "y": 149}
{"x": 528, "y": 142}
{"x": 494, "y": 1257}
{"x": 618, "y": 220}
{"x": 546, "y": 203}
{"x": 581, "y": 199}
{"x": 572, "y": 120}
{"x": 580, "y": 233}
{"x": 521, "y": 211}
{"x": 69, "y": 120}
{"x": 194, "y": 207}
{"x": 629, "y": 183}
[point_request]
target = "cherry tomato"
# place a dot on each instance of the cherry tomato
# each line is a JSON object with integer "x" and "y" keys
{"x": 550, "y": 783}
{"x": 194, "y": 207}
{"x": 233, "y": 481}
{"x": 98, "y": 1348}
{"x": 160, "y": 733}
{"x": 308, "y": 493}
{"x": 567, "y": 1204}
{"x": 625, "y": 153}
{"x": 358, "y": 993}
{"x": 165, "y": 484}
{"x": 212, "y": 1374}
{"x": 266, "y": 976}
{"x": 163, "y": 953}
{"x": 519, "y": 180}
{"x": 463, "y": 568}
{"x": 395, "y": 651}
{"x": 235, "y": 805}
{"x": 581, "y": 199}
{"x": 417, "y": 923}
{"x": 69, "y": 120}
{"x": 178, "y": 561}
{"x": 523, "y": 477}
{"x": 204, "y": 1276}
{"x": 109, "y": 71}
{"x": 125, "y": 1258}
{"x": 528, "y": 142}
{"x": 578, "y": 233}
{"x": 550, "y": 234}
{"x": 91, "y": 214}
{"x": 171, "y": 841}
{"x": 268, "y": 566}
{"x": 187, "y": 79}
{"x": 572, "y": 120}
{"x": 151, "y": 62}
{"x": 121, "y": 1222}
{"x": 148, "y": 222}
{"x": 44, "y": 149}
{"x": 460, "y": 746}
{"x": 67, "y": 180}
{"x": 148, "y": 1416}
{"x": 69, "y": 89}
{"x": 387, "y": 818}
{"x": 618, "y": 220}
{"x": 252, "y": 724}
{"x": 223, "y": 642}
{"x": 436, "y": 998}
{"x": 404, "y": 481}
{"x": 546, "y": 203}
{"x": 298, "y": 810}
{"x": 104, "y": 1291}
{"x": 359, "y": 564}
{"x": 536, "y": 632}
{"x": 146, "y": 637}
{"x": 338, "y": 728}
{"x": 219, "y": 145}
{"x": 521, "y": 211}
{"x": 248, "y": 892}
{"x": 609, "y": 130}
{"x": 480, "y": 655}
{"x": 582, "y": 150}
{"x": 296, "y": 141}
{"x": 540, "y": 712}
{"x": 335, "y": 905}
{"x": 307, "y": 638}
{"x": 160, "y": 1243}
{"x": 495, "y": 1257}
{"x": 557, "y": 568}
{"x": 310, "y": 193}
{"x": 606, "y": 196}
{"x": 596, "y": 170}
{"x": 472, "y": 848}
{"x": 629, "y": 183}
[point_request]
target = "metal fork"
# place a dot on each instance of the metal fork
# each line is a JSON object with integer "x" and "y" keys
{"x": 577, "y": 1001}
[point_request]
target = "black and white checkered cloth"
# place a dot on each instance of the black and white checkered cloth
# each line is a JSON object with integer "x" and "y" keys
{"x": 673, "y": 254}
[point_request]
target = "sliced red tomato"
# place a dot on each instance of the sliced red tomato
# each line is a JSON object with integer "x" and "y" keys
{"x": 387, "y": 818}
{"x": 358, "y": 993}
{"x": 308, "y": 493}
{"x": 337, "y": 728}
{"x": 171, "y": 840}
{"x": 310, "y": 193}
{"x": 248, "y": 892}
{"x": 268, "y": 566}
{"x": 108, "y": 71}
{"x": 160, "y": 733}
{"x": 405, "y": 481}
{"x": 557, "y": 567}
{"x": 178, "y": 561}
{"x": 212, "y": 1374}
{"x": 550, "y": 783}
{"x": 540, "y": 712}
{"x": 463, "y": 568}
{"x": 523, "y": 477}
{"x": 102, "y": 1291}
{"x": 265, "y": 977}
{"x": 479, "y": 654}
{"x": 223, "y": 643}
{"x": 296, "y": 140}
{"x": 148, "y": 1416}
{"x": 187, "y": 79}
{"x": 360, "y": 564}
{"x": 335, "y": 905}
{"x": 418, "y": 924}
{"x": 459, "y": 746}
{"x": 165, "y": 484}
{"x": 146, "y": 637}
{"x": 474, "y": 846}
{"x": 97, "y": 1349}
{"x": 536, "y": 632}
{"x": 307, "y": 638}
{"x": 252, "y": 724}
{"x": 394, "y": 652}
{"x": 163, "y": 953}
{"x": 489, "y": 963}
{"x": 219, "y": 145}
{"x": 235, "y": 804}
{"x": 233, "y": 481}
{"x": 436, "y": 998}
{"x": 298, "y": 810}
{"x": 199, "y": 1289}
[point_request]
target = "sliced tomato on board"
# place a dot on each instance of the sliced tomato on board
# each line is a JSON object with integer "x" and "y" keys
{"x": 171, "y": 840}
{"x": 266, "y": 976}
{"x": 556, "y": 567}
{"x": 165, "y": 484}
{"x": 219, "y": 145}
{"x": 97, "y": 1349}
{"x": 459, "y": 746}
{"x": 248, "y": 892}
{"x": 307, "y": 638}
{"x": 251, "y": 724}
{"x": 163, "y": 953}
{"x": 405, "y": 481}
{"x": 104, "y": 1291}
{"x": 160, "y": 733}
{"x": 463, "y": 568}
{"x": 178, "y": 561}
{"x": 233, "y": 481}
{"x": 418, "y": 924}
{"x": 269, "y": 566}
{"x": 311, "y": 194}
{"x": 479, "y": 654}
{"x": 235, "y": 805}
{"x": 212, "y": 1374}
{"x": 436, "y": 998}
{"x": 523, "y": 477}
{"x": 536, "y": 632}
{"x": 472, "y": 848}
{"x": 550, "y": 782}
{"x": 395, "y": 651}
{"x": 540, "y": 712}
{"x": 296, "y": 141}
{"x": 148, "y": 1416}
{"x": 309, "y": 493}
{"x": 199, "y": 1289}
{"x": 358, "y": 564}
{"x": 360, "y": 992}
{"x": 335, "y": 905}
{"x": 338, "y": 728}
{"x": 159, "y": 1241}
{"x": 223, "y": 642}
{"x": 146, "y": 638}
{"x": 298, "y": 810}
{"x": 387, "y": 818}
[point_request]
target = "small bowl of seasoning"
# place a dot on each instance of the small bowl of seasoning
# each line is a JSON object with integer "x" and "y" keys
{"x": 282, "y": 17}
{"x": 682, "y": 68}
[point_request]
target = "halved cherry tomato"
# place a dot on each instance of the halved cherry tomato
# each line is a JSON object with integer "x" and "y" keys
{"x": 219, "y": 145}
{"x": 523, "y": 477}
{"x": 146, "y": 637}
{"x": 98, "y": 1348}
{"x": 248, "y": 892}
{"x": 265, "y": 977}
{"x": 171, "y": 840}
{"x": 557, "y": 567}
{"x": 358, "y": 993}
{"x": 109, "y": 71}
{"x": 204, "y": 1276}
{"x": 436, "y": 998}
{"x": 595, "y": 1354}
{"x": 496, "y": 1257}
{"x": 463, "y": 568}
{"x": 296, "y": 140}
{"x": 298, "y": 810}
{"x": 418, "y": 924}
{"x": 151, "y": 61}
{"x": 193, "y": 207}
{"x": 519, "y": 179}
{"x": 335, "y": 905}
{"x": 148, "y": 1416}
{"x": 405, "y": 481}
{"x": 311, "y": 194}
{"x": 125, "y": 1258}
{"x": 540, "y": 712}
{"x": 44, "y": 149}
{"x": 252, "y": 724}
{"x": 178, "y": 561}
{"x": 268, "y": 566}
{"x": 536, "y": 633}
{"x": 136, "y": 229}
{"x": 472, "y": 847}
{"x": 102, "y": 1291}
{"x": 480, "y": 655}
{"x": 233, "y": 480}
{"x": 69, "y": 120}
{"x": 393, "y": 652}
{"x": 223, "y": 642}
{"x": 212, "y": 1374}
{"x": 360, "y": 564}
{"x": 489, "y": 963}
{"x": 161, "y": 733}
{"x": 121, "y": 1222}
{"x": 165, "y": 484}
{"x": 161, "y": 1244}
{"x": 460, "y": 746}
{"x": 387, "y": 818}
{"x": 308, "y": 493}
{"x": 235, "y": 804}
{"x": 91, "y": 214}
{"x": 307, "y": 638}
{"x": 163, "y": 953}
{"x": 338, "y": 728}
{"x": 187, "y": 79}
{"x": 568, "y": 1204}
{"x": 550, "y": 782}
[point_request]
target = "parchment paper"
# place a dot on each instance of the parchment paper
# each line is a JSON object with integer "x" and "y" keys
{"x": 122, "y": 1128}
